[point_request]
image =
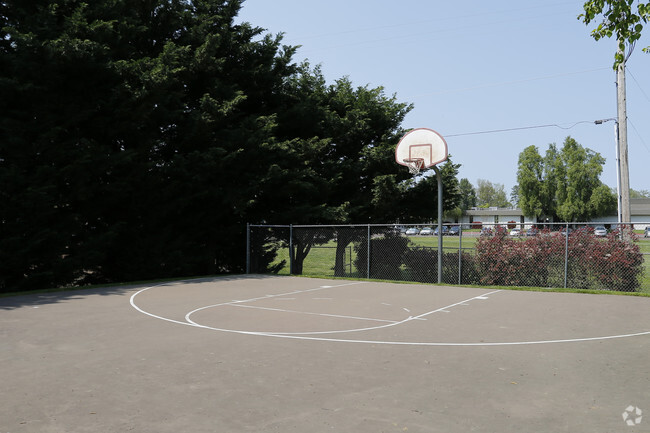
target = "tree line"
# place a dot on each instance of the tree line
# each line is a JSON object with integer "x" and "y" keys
{"x": 139, "y": 137}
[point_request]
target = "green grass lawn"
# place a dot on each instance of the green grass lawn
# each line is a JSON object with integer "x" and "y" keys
{"x": 447, "y": 241}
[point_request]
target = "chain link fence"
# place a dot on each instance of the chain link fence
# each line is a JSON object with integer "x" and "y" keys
{"x": 579, "y": 256}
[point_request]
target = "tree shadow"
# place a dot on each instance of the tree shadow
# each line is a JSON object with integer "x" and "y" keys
{"x": 35, "y": 299}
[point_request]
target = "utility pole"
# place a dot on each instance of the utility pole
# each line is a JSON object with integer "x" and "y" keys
{"x": 624, "y": 171}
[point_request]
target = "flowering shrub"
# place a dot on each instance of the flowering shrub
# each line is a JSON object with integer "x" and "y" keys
{"x": 611, "y": 263}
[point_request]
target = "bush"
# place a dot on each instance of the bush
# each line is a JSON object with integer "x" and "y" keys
{"x": 511, "y": 262}
{"x": 606, "y": 264}
{"x": 422, "y": 265}
{"x": 386, "y": 257}
{"x": 612, "y": 263}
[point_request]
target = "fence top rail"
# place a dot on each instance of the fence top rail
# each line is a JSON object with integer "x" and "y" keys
{"x": 269, "y": 225}
{"x": 527, "y": 223}
{"x": 330, "y": 225}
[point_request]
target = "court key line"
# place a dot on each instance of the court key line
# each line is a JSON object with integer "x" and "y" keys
{"x": 189, "y": 321}
{"x": 372, "y": 328}
{"x": 370, "y": 319}
{"x": 379, "y": 342}
{"x": 134, "y": 305}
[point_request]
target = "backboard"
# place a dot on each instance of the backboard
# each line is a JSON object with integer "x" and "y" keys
{"x": 421, "y": 143}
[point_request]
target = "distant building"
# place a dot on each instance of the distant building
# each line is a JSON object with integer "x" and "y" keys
{"x": 494, "y": 215}
{"x": 639, "y": 209}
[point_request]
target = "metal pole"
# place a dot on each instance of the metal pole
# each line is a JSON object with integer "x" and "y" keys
{"x": 617, "y": 149}
{"x": 350, "y": 260}
{"x": 566, "y": 254}
{"x": 435, "y": 168}
{"x": 460, "y": 253}
{"x": 290, "y": 249}
{"x": 248, "y": 248}
{"x": 368, "y": 255}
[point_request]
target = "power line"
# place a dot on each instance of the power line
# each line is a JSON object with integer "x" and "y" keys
{"x": 638, "y": 134}
{"x": 493, "y": 131}
{"x": 637, "y": 83}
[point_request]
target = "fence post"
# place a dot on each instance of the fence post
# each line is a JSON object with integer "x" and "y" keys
{"x": 566, "y": 254}
{"x": 350, "y": 260}
{"x": 290, "y": 249}
{"x": 248, "y": 248}
{"x": 439, "y": 179}
{"x": 460, "y": 253}
{"x": 368, "y": 255}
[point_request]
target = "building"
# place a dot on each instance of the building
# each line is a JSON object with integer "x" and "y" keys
{"x": 639, "y": 209}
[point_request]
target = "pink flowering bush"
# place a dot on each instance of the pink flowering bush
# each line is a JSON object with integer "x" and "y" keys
{"x": 610, "y": 263}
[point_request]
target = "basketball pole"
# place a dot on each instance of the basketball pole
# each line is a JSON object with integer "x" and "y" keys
{"x": 435, "y": 168}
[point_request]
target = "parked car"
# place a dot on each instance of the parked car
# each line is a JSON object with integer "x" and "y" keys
{"x": 445, "y": 230}
{"x": 566, "y": 231}
{"x": 426, "y": 231}
{"x": 486, "y": 231}
{"x": 515, "y": 232}
{"x": 412, "y": 231}
{"x": 600, "y": 231}
{"x": 454, "y": 230}
{"x": 532, "y": 232}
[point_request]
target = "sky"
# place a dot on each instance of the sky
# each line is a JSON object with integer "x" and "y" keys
{"x": 491, "y": 77}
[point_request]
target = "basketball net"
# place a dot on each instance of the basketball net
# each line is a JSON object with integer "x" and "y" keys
{"x": 414, "y": 164}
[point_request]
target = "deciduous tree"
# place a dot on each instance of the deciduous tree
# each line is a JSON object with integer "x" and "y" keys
{"x": 564, "y": 184}
{"x": 530, "y": 177}
{"x": 619, "y": 19}
{"x": 490, "y": 194}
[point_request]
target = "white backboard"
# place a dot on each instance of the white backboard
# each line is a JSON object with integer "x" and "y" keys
{"x": 422, "y": 143}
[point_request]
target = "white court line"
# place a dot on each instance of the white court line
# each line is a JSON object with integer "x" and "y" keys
{"x": 295, "y": 292}
{"x": 133, "y": 304}
{"x": 443, "y": 309}
{"x": 371, "y": 328}
{"x": 379, "y": 342}
{"x": 370, "y": 319}
{"x": 190, "y": 322}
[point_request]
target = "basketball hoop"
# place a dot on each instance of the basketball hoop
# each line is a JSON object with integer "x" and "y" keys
{"x": 414, "y": 164}
{"x": 420, "y": 149}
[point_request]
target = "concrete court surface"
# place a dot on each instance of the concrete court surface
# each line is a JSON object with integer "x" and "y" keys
{"x": 287, "y": 354}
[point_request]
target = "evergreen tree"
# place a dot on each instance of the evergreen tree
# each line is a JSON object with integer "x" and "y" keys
{"x": 139, "y": 138}
{"x": 128, "y": 125}
{"x": 467, "y": 195}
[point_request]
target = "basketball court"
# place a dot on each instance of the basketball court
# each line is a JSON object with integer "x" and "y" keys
{"x": 288, "y": 354}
